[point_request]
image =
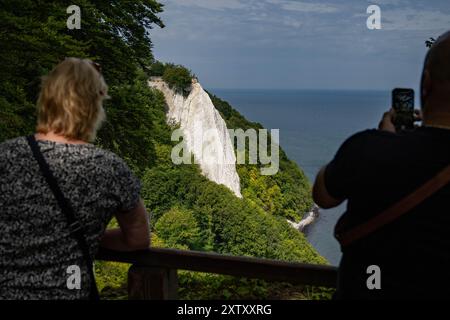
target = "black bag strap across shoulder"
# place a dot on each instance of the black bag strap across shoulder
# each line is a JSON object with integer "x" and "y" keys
{"x": 395, "y": 211}
{"x": 74, "y": 225}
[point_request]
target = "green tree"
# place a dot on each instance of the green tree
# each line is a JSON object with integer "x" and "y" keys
{"x": 178, "y": 78}
{"x": 178, "y": 228}
{"x": 34, "y": 38}
{"x": 157, "y": 69}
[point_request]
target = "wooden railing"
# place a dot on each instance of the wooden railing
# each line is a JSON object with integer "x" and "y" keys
{"x": 153, "y": 274}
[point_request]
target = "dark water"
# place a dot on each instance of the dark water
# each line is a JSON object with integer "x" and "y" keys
{"x": 312, "y": 125}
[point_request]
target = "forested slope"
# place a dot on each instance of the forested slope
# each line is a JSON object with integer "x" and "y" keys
{"x": 187, "y": 210}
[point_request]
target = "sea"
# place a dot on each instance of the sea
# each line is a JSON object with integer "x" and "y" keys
{"x": 313, "y": 124}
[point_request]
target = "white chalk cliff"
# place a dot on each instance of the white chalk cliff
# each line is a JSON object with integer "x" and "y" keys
{"x": 204, "y": 132}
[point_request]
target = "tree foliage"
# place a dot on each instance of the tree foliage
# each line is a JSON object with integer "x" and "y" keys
{"x": 188, "y": 211}
{"x": 34, "y": 38}
{"x": 178, "y": 78}
{"x": 178, "y": 229}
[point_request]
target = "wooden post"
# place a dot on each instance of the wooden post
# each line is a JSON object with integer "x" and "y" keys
{"x": 152, "y": 283}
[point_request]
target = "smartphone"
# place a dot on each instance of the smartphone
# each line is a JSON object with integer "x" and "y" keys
{"x": 403, "y": 104}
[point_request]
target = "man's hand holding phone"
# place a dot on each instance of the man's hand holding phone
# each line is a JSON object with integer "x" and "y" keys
{"x": 388, "y": 120}
{"x": 401, "y": 116}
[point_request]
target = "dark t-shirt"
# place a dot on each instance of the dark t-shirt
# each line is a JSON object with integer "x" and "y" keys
{"x": 373, "y": 170}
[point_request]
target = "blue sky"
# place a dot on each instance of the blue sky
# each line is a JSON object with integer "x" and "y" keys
{"x": 299, "y": 44}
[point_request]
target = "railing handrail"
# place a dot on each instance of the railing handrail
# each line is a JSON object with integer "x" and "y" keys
{"x": 249, "y": 267}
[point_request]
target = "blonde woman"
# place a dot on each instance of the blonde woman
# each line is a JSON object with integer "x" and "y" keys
{"x": 59, "y": 191}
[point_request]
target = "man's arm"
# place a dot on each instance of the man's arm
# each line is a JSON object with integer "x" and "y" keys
{"x": 321, "y": 195}
{"x": 133, "y": 234}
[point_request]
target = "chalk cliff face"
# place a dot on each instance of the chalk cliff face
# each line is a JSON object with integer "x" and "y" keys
{"x": 204, "y": 132}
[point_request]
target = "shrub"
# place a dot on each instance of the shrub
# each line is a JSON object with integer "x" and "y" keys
{"x": 157, "y": 69}
{"x": 178, "y": 229}
{"x": 178, "y": 78}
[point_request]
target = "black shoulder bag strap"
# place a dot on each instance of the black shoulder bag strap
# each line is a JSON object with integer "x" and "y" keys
{"x": 76, "y": 229}
{"x": 395, "y": 211}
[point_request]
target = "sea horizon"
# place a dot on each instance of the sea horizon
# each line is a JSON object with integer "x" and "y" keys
{"x": 211, "y": 89}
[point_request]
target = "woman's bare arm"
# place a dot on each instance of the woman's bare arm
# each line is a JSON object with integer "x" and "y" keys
{"x": 134, "y": 231}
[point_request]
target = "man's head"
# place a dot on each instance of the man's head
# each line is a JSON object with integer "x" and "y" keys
{"x": 435, "y": 87}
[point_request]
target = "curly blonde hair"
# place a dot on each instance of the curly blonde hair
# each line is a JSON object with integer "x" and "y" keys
{"x": 71, "y": 100}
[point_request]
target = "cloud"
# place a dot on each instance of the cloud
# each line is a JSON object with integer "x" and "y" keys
{"x": 414, "y": 20}
{"x": 391, "y": 2}
{"x": 305, "y": 6}
{"x": 211, "y": 4}
{"x": 304, "y": 43}
{"x": 293, "y": 23}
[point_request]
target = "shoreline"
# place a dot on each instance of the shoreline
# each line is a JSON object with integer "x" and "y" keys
{"x": 309, "y": 218}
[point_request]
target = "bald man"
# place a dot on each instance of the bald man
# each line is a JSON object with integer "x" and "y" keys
{"x": 373, "y": 170}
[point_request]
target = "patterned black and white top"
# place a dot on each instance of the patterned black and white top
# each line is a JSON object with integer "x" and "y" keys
{"x": 36, "y": 248}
